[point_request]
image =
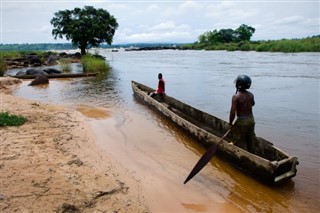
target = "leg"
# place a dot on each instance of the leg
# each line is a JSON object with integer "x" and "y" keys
{"x": 250, "y": 139}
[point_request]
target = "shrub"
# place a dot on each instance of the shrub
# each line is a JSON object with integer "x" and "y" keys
{"x": 7, "y": 119}
{"x": 3, "y": 66}
{"x": 66, "y": 65}
{"x": 92, "y": 63}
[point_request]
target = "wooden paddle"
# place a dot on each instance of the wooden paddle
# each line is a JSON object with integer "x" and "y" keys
{"x": 206, "y": 157}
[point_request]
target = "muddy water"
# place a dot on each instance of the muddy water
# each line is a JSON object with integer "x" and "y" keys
{"x": 160, "y": 155}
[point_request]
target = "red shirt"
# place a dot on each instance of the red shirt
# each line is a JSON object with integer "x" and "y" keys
{"x": 161, "y": 86}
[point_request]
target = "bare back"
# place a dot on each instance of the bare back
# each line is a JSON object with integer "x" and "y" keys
{"x": 242, "y": 103}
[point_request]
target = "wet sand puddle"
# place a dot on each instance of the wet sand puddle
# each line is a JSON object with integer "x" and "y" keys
{"x": 93, "y": 112}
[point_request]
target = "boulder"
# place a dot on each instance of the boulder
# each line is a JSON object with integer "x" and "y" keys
{"x": 21, "y": 72}
{"x": 52, "y": 59}
{"x": 41, "y": 79}
{"x": 33, "y": 59}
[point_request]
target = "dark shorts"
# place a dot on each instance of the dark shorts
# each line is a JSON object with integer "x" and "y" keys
{"x": 243, "y": 133}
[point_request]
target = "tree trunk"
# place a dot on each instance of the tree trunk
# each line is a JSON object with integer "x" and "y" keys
{"x": 83, "y": 50}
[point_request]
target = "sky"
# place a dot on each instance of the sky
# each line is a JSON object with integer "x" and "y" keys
{"x": 28, "y": 21}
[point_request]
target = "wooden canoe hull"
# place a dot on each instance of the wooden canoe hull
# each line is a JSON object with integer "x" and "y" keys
{"x": 269, "y": 163}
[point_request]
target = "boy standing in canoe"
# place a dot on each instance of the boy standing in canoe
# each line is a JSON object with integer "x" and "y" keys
{"x": 241, "y": 106}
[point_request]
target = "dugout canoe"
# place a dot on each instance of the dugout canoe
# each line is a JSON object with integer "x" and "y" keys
{"x": 268, "y": 164}
{"x": 63, "y": 75}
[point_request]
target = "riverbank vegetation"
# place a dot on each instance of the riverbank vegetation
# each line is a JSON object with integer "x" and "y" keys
{"x": 310, "y": 44}
{"x": 90, "y": 62}
{"x": 239, "y": 39}
{"x": 3, "y": 66}
{"x": 94, "y": 63}
{"x": 66, "y": 65}
{"x": 7, "y": 119}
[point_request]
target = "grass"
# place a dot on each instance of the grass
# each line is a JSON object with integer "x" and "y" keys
{"x": 66, "y": 65}
{"x": 93, "y": 63}
{"x": 7, "y": 119}
{"x": 17, "y": 54}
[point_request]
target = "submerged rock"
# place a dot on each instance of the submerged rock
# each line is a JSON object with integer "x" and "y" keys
{"x": 41, "y": 79}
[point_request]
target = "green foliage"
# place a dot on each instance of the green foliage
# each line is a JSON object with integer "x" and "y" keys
{"x": 3, "y": 66}
{"x": 91, "y": 63}
{"x": 20, "y": 53}
{"x": 7, "y": 119}
{"x": 310, "y": 44}
{"x": 242, "y": 33}
{"x": 294, "y": 45}
{"x": 65, "y": 64}
{"x": 88, "y": 27}
{"x": 36, "y": 46}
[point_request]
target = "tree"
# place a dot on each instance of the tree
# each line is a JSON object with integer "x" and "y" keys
{"x": 210, "y": 37}
{"x": 88, "y": 27}
{"x": 226, "y": 35}
{"x": 244, "y": 32}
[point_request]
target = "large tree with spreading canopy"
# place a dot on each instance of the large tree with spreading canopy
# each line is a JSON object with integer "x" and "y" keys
{"x": 87, "y": 27}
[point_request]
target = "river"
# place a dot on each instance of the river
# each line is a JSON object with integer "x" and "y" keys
{"x": 160, "y": 155}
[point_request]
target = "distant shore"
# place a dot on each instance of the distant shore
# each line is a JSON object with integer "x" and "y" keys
{"x": 309, "y": 44}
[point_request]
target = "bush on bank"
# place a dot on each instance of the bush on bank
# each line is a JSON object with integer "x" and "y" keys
{"x": 93, "y": 63}
{"x": 3, "y": 66}
{"x": 7, "y": 119}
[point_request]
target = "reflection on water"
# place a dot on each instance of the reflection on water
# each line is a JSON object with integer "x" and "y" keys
{"x": 100, "y": 91}
{"x": 286, "y": 89}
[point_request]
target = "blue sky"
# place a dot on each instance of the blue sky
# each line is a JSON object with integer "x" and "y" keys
{"x": 28, "y": 21}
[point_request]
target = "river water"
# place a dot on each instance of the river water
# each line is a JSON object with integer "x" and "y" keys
{"x": 160, "y": 155}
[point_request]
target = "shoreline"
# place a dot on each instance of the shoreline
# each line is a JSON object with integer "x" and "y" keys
{"x": 53, "y": 164}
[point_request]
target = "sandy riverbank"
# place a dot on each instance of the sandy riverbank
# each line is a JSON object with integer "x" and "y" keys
{"x": 52, "y": 164}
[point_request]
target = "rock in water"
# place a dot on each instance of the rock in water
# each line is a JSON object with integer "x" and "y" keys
{"x": 41, "y": 79}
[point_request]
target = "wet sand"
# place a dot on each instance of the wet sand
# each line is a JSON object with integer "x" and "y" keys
{"x": 52, "y": 164}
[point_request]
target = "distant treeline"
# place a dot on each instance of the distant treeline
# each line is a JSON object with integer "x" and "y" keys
{"x": 309, "y": 44}
{"x": 69, "y": 46}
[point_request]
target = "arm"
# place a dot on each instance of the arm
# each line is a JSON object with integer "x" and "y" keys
{"x": 253, "y": 102}
{"x": 232, "y": 114}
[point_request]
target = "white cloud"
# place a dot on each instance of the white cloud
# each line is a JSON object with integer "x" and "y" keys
{"x": 166, "y": 31}
{"x": 190, "y": 6}
{"x": 153, "y": 7}
{"x": 169, "y": 26}
{"x": 165, "y": 21}
{"x": 290, "y": 20}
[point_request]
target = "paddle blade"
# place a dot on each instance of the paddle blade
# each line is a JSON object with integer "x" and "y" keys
{"x": 206, "y": 157}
